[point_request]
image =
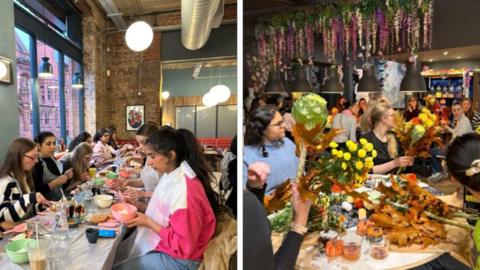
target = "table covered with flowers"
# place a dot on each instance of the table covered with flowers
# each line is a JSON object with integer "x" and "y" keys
{"x": 364, "y": 221}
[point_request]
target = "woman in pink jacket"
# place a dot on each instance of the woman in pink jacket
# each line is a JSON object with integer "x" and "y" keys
{"x": 180, "y": 218}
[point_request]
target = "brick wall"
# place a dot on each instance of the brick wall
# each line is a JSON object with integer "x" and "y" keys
{"x": 106, "y": 96}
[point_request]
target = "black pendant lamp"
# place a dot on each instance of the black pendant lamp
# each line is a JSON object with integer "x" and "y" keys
{"x": 77, "y": 81}
{"x": 301, "y": 83}
{"x": 275, "y": 84}
{"x": 413, "y": 80}
{"x": 45, "y": 70}
{"x": 332, "y": 84}
{"x": 368, "y": 83}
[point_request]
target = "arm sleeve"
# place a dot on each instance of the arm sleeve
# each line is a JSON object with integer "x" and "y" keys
{"x": 98, "y": 156}
{"x": 287, "y": 254}
{"x": 353, "y": 130}
{"x": 38, "y": 179}
{"x": 13, "y": 206}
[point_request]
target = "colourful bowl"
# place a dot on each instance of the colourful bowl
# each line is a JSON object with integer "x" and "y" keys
{"x": 17, "y": 250}
{"x": 123, "y": 211}
{"x": 112, "y": 175}
{"x": 103, "y": 201}
{"x": 124, "y": 174}
{"x": 99, "y": 181}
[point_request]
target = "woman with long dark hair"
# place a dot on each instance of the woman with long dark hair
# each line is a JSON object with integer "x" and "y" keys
{"x": 18, "y": 201}
{"x": 181, "y": 217}
{"x": 102, "y": 152}
{"x": 265, "y": 142}
{"x": 48, "y": 174}
{"x": 82, "y": 137}
{"x": 412, "y": 109}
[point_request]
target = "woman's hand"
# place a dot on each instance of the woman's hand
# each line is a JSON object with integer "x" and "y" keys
{"x": 68, "y": 173}
{"x": 258, "y": 173}
{"x": 140, "y": 220}
{"x": 133, "y": 194}
{"x": 301, "y": 208}
{"x": 404, "y": 161}
{"x": 85, "y": 177}
{"x": 40, "y": 199}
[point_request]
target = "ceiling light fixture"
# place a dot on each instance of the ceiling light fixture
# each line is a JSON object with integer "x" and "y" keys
{"x": 77, "y": 81}
{"x": 139, "y": 36}
{"x": 445, "y": 53}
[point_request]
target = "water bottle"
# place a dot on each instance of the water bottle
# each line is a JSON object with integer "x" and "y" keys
{"x": 118, "y": 160}
{"x": 60, "y": 227}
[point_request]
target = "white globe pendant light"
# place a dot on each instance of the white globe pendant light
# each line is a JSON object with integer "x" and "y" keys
{"x": 139, "y": 36}
{"x": 209, "y": 100}
{"x": 220, "y": 92}
{"x": 165, "y": 95}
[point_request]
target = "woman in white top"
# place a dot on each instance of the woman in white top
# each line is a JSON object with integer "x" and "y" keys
{"x": 462, "y": 123}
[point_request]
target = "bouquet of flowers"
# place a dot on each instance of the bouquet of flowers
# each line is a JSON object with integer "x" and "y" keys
{"x": 328, "y": 170}
{"x": 417, "y": 135}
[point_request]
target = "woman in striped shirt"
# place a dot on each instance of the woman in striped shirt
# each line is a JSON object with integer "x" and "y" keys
{"x": 17, "y": 201}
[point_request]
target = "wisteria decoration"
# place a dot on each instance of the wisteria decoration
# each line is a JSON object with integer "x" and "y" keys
{"x": 373, "y": 26}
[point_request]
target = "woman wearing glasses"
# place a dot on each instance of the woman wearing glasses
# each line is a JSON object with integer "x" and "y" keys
{"x": 48, "y": 173}
{"x": 265, "y": 142}
{"x": 17, "y": 199}
{"x": 102, "y": 152}
{"x": 384, "y": 142}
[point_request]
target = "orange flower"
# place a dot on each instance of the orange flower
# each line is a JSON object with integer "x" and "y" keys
{"x": 411, "y": 178}
{"x": 336, "y": 188}
{"x": 416, "y": 121}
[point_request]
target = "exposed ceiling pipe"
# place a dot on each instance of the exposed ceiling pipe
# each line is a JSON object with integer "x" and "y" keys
{"x": 198, "y": 18}
{"x": 113, "y": 13}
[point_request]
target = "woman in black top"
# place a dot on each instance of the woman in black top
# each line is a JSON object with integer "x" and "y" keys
{"x": 412, "y": 110}
{"x": 257, "y": 244}
{"x": 113, "y": 138}
{"x": 384, "y": 142}
{"x": 48, "y": 174}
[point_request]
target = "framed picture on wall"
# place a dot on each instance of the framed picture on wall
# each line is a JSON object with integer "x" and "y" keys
{"x": 135, "y": 117}
{"x": 6, "y": 71}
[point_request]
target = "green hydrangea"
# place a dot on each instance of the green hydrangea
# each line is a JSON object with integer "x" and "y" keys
{"x": 417, "y": 133}
{"x": 311, "y": 111}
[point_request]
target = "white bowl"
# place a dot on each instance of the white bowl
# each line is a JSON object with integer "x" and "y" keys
{"x": 103, "y": 200}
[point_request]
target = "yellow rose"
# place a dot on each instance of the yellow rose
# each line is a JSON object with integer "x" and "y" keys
{"x": 357, "y": 185}
{"x": 344, "y": 166}
{"x": 347, "y": 156}
{"x": 340, "y": 154}
{"x": 369, "y": 159}
{"x": 425, "y": 110}
{"x": 423, "y": 117}
{"x": 428, "y": 123}
{"x": 433, "y": 117}
{"x": 361, "y": 153}
{"x": 369, "y": 147}
{"x": 363, "y": 141}
{"x": 374, "y": 153}
{"x": 358, "y": 177}
{"x": 352, "y": 147}
{"x": 334, "y": 152}
{"x": 333, "y": 144}
{"x": 408, "y": 125}
{"x": 359, "y": 165}
{"x": 369, "y": 164}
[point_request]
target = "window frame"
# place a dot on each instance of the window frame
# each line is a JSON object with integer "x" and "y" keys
{"x": 49, "y": 37}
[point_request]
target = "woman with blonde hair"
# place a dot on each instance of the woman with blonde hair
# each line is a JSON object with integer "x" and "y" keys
{"x": 384, "y": 142}
{"x": 79, "y": 162}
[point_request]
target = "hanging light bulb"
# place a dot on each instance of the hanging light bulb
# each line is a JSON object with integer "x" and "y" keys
{"x": 45, "y": 70}
{"x": 413, "y": 80}
{"x": 220, "y": 92}
{"x": 77, "y": 81}
{"x": 139, "y": 36}
{"x": 209, "y": 100}
{"x": 368, "y": 83}
{"x": 165, "y": 95}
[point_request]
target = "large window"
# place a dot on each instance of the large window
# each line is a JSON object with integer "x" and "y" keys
{"x": 208, "y": 122}
{"x": 45, "y": 103}
{"x": 49, "y": 103}
{"x": 72, "y": 96}
{"x": 22, "y": 40}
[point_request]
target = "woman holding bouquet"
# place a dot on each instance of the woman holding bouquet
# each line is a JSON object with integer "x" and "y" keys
{"x": 384, "y": 142}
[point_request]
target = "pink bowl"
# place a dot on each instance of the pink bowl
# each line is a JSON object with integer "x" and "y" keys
{"x": 124, "y": 174}
{"x": 123, "y": 211}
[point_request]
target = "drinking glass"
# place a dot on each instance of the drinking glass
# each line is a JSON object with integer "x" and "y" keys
{"x": 37, "y": 255}
{"x": 92, "y": 172}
